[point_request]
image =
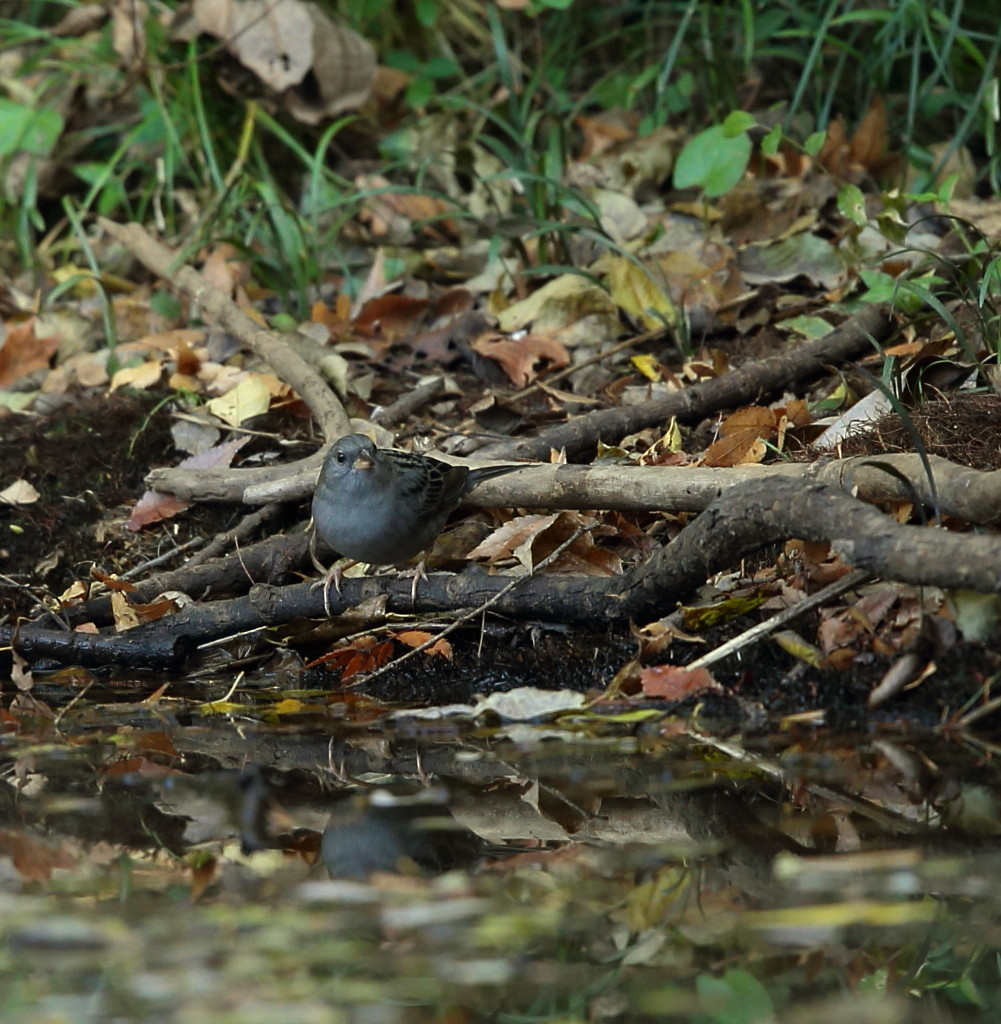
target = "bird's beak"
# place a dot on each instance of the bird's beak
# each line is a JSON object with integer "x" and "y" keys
{"x": 363, "y": 462}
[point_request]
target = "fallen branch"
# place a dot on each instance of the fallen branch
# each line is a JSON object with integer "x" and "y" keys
{"x": 740, "y": 522}
{"x": 216, "y": 307}
{"x": 746, "y": 384}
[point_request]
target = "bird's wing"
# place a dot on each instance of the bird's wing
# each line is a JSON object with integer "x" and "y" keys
{"x": 444, "y": 486}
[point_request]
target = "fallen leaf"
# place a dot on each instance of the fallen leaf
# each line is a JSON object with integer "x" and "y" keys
{"x": 250, "y": 398}
{"x": 633, "y": 289}
{"x": 143, "y": 375}
{"x": 525, "y": 358}
{"x": 20, "y": 492}
{"x": 22, "y": 353}
{"x": 390, "y": 317}
{"x": 564, "y": 300}
{"x": 674, "y": 682}
{"x": 31, "y": 858}
{"x": 743, "y": 436}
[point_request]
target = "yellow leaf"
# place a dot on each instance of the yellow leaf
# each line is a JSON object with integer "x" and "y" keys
{"x": 648, "y": 366}
{"x": 633, "y": 289}
{"x": 288, "y": 706}
{"x": 249, "y": 398}
{"x": 144, "y": 375}
{"x": 671, "y": 439}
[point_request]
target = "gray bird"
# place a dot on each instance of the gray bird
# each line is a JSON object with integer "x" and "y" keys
{"x": 383, "y": 506}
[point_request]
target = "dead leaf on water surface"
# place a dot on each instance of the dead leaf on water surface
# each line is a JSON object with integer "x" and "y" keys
{"x": 31, "y": 858}
{"x": 527, "y": 702}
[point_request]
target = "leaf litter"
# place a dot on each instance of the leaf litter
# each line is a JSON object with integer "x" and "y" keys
{"x": 613, "y": 842}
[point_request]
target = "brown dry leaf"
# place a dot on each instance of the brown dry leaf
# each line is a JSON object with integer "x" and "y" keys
{"x": 284, "y": 42}
{"x": 225, "y": 270}
{"x": 656, "y": 637}
{"x": 144, "y": 767}
{"x": 693, "y": 284}
{"x": 112, "y": 582}
{"x": 532, "y": 538}
{"x": 797, "y": 411}
{"x": 22, "y": 353}
{"x": 20, "y": 674}
{"x": 392, "y": 215}
{"x": 203, "y": 873}
{"x": 123, "y": 613}
{"x": 743, "y": 436}
{"x": 128, "y": 31}
{"x": 336, "y": 320}
{"x": 674, "y": 682}
{"x": 867, "y": 150}
{"x": 272, "y": 40}
{"x": 390, "y": 317}
{"x": 364, "y": 654}
{"x": 343, "y": 72}
{"x": 154, "y": 610}
{"x": 869, "y": 142}
{"x": 603, "y": 131}
{"x": 569, "y": 305}
{"x": 522, "y": 359}
{"x": 251, "y": 397}
{"x": 31, "y": 858}
{"x": 787, "y": 162}
{"x": 983, "y": 214}
{"x": 507, "y": 539}
{"x": 415, "y": 637}
{"x": 152, "y": 507}
{"x": 156, "y": 741}
{"x": 838, "y": 631}
{"x": 388, "y": 85}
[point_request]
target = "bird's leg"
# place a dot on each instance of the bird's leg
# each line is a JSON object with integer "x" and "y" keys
{"x": 418, "y": 574}
{"x": 331, "y": 575}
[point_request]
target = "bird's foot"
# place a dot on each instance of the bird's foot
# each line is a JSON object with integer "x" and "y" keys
{"x": 334, "y": 575}
{"x": 418, "y": 574}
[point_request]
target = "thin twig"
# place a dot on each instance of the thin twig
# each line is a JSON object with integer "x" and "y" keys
{"x": 152, "y": 563}
{"x": 749, "y": 636}
{"x": 76, "y": 698}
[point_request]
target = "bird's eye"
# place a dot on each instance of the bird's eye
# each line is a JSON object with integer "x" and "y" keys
{"x": 340, "y": 457}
